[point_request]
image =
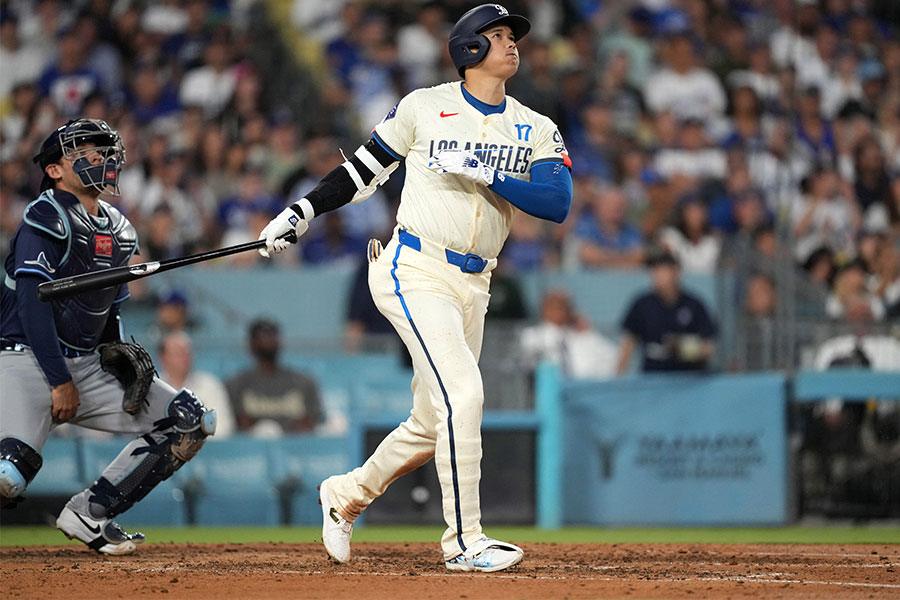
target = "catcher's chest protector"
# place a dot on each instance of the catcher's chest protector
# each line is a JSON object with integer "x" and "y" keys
{"x": 95, "y": 245}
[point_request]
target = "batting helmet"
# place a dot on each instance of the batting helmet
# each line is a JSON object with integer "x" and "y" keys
{"x": 69, "y": 140}
{"x": 468, "y": 46}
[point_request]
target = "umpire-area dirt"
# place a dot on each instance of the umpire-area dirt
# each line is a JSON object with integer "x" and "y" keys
{"x": 415, "y": 571}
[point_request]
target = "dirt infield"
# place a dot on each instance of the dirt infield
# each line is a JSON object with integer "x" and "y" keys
{"x": 414, "y": 571}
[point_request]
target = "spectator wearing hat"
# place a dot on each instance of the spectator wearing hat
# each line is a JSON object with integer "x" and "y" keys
{"x": 672, "y": 327}
{"x": 172, "y": 311}
{"x": 872, "y": 77}
{"x": 661, "y": 202}
{"x": 269, "y": 399}
{"x": 684, "y": 85}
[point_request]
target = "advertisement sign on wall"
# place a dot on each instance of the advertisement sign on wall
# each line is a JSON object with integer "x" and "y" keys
{"x": 676, "y": 451}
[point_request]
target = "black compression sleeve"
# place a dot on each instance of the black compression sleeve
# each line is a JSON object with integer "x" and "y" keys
{"x": 334, "y": 191}
{"x": 337, "y": 188}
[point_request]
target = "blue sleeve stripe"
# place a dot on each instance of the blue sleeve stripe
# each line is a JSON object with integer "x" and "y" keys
{"x": 35, "y": 272}
{"x": 387, "y": 148}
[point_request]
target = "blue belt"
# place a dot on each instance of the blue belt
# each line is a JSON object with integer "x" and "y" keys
{"x": 467, "y": 263}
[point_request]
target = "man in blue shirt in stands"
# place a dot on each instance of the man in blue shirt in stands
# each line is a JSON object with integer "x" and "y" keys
{"x": 673, "y": 328}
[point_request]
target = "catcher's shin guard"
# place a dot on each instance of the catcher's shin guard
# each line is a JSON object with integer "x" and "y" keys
{"x": 19, "y": 463}
{"x": 153, "y": 457}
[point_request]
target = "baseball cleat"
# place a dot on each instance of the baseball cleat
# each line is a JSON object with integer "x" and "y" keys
{"x": 486, "y": 556}
{"x": 105, "y": 536}
{"x": 336, "y": 530}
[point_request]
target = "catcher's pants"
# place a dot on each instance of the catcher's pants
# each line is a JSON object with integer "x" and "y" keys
{"x": 439, "y": 313}
{"x": 25, "y": 404}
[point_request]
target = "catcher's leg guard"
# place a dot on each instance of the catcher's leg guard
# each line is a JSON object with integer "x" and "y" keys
{"x": 19, "y": 463}
{"x": 150, "y": 459}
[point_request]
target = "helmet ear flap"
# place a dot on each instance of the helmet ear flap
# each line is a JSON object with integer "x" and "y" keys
{"x": 468, "y": 50}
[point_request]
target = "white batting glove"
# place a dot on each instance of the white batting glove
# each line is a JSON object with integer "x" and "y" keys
{"x": 286, "y": 221}
{"x": 463, "y": 163}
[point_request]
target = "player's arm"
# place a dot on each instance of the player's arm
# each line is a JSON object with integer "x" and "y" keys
{"x": 354, "y": 180}
{"x": 547, "y": 196}
{"x": 40, "y": 329}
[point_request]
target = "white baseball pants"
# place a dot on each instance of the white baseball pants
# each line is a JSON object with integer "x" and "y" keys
{"x": 438, "y": 310}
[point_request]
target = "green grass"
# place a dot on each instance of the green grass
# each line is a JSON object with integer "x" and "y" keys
{"x": 43, "y": 536}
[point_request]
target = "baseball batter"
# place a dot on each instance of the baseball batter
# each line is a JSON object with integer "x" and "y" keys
{"x": 473, "y": 156}
{"x": 49, "y": 367}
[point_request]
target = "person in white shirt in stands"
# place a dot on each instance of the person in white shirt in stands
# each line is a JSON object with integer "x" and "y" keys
{"x": 684, "y": 86}
{"x": 176, "y": 357}
{"x": 566, "y": 339}
{"x": 691, "y": 242}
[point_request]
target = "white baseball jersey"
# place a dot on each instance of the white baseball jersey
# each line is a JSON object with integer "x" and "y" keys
{"x": 437, "y": 307}
{"x": 454, "y": 212}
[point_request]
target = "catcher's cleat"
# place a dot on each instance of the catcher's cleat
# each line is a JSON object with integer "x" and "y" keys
{"x": 486, "y": 556}
{"x": 336, "y": 530}
{"x": 104, "y": 536}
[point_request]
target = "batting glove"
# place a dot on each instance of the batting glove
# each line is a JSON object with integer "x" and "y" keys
{"x": 463, "y": 163}
{"x": 273, "y": 233}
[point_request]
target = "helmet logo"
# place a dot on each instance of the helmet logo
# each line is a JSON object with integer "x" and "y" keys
{"x": 501, "y": 10}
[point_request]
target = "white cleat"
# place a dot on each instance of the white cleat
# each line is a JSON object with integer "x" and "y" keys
{"x": 104, "y": 536}
{"x": 336, "y": 530}
{"x": 486, "y": 556}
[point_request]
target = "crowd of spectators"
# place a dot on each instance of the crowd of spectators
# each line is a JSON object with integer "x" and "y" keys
{"x": 704, "y": 127}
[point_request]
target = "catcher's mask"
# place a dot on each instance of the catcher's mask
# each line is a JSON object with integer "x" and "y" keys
{"x": 79, "y": 140}
{"x": 468, "y": 46}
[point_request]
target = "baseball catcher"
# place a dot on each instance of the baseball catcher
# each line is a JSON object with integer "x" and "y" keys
{"x": 65, "y": 361}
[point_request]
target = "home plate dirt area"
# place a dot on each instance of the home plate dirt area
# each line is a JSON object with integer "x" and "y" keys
{"x": 415, "y": 571}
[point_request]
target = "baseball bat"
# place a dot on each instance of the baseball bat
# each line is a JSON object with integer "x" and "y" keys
{"x": 76, "y": 284}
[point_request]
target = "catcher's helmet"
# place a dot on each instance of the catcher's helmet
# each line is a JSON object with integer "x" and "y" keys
{"x": 69, "y": 140}
{"x": 468, "y": 46}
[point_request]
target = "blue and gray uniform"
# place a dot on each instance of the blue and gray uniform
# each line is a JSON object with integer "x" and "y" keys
{"x": 49, "y": 344}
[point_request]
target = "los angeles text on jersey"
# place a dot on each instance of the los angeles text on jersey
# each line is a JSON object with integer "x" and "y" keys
{"x": 503, "y": 157}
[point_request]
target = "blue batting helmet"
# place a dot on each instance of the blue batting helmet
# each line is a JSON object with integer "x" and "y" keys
{"x": 468, "y": 46}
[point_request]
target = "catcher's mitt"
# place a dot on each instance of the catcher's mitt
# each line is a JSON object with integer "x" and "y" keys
{"x": 132, "y": 366}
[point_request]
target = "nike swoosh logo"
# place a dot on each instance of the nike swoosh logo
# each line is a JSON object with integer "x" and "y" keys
{"x": 443, "y": 114}
{"x": 334, "y": 515}
{"x": 95, "y": 529}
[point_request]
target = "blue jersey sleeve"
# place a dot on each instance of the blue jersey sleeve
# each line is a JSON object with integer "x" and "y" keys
{"x": 547, "y": 196}
{"x": 40, "y": 329}
{"x": 38, "y": 253}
